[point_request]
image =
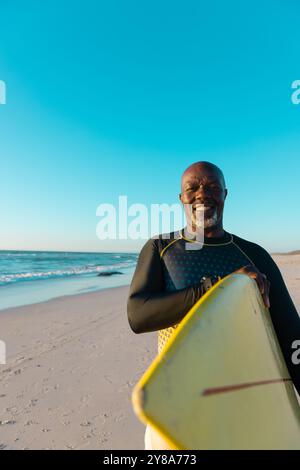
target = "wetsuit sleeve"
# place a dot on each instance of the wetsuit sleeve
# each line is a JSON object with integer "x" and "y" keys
{"x": 283, "y": 312}
{"x": 285, "y": 319}
{"x": 149, "y": 306}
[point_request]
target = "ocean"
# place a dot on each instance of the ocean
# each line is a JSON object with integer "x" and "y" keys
{"x": 34, "y": 276}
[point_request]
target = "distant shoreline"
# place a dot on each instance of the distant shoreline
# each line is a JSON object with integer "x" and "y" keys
{"x": 295, "y": 252}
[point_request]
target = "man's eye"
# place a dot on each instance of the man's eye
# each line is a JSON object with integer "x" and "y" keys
{"x": 193, "y": 190}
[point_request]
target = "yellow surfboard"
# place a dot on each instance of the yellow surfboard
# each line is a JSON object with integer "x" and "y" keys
{"x": 221, "y": 381}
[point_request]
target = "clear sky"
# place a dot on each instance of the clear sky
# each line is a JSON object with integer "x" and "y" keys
{"x": 117, "y": 98}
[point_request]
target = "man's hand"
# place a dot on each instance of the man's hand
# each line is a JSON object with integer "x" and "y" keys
{"x": 261, "y": 280}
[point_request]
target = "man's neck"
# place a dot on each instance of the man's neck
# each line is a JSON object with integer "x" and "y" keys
{"x": 214, "y": 232}
{"x": 210, "y": 232}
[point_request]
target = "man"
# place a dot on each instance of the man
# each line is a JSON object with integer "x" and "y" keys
{"x": 170, "y": 278}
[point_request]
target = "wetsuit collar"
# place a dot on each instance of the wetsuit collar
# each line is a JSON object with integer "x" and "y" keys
{"x": 226, "y": 238}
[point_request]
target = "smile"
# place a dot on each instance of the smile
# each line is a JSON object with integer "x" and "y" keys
{"x": 202, "y": 208}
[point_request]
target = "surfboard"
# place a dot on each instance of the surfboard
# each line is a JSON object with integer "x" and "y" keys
{"x": 221, "y": 381}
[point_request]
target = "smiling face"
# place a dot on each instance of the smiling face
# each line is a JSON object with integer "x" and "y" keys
{"x": 203, "y": 194}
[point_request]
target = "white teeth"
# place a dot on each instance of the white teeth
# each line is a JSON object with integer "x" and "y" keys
{"x": 202, "y": 208}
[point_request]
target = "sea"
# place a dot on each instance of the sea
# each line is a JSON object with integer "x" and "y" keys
{"x": 28, "y": 277}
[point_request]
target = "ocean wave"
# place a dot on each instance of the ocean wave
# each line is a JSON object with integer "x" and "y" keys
{"x": 3, "y": 254}
{"x": 58, "y": 273}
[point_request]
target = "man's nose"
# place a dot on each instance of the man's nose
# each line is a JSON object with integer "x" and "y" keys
{"x": 201, "y": 192}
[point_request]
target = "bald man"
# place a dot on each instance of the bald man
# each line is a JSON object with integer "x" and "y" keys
{"x": 170, "y": 277}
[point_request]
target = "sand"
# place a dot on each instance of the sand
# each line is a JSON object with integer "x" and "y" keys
{"x": 71, "y": 365}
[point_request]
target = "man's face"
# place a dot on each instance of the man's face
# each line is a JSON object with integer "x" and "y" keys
{"x": 203, "y": 193}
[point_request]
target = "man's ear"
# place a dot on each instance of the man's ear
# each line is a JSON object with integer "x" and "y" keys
{"x": 179, "y": 195}
{"x": 226, "y": 192}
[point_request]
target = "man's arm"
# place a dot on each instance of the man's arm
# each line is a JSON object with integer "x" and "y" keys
{"x": 283, "y": 312}
{"x": 149, "y": 306}
{"x": 285, "y": 319}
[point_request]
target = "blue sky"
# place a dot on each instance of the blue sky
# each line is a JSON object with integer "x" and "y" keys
{"x": 117, "y": 98}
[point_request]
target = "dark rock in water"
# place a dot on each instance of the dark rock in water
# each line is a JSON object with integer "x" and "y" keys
{"x": 109, "y": 273}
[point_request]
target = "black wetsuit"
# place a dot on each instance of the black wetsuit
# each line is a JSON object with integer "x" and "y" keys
{"x": 166, "y": 284}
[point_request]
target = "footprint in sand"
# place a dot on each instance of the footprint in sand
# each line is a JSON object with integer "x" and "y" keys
{"x": 86, "y": 423}
{"x": 12, "y": 409}
{"x": 119, "y": 418}
{"x": 104, "y": 437}
{"x": 85, "y": 398}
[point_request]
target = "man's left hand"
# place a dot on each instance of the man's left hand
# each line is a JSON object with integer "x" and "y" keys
{"x": 261, "y": 280}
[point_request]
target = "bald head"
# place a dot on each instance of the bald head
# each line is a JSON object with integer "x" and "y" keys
{"x": 203, "y": 167}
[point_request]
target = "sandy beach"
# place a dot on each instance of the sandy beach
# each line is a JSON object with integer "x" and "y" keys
{"x": 71, "y": 366}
